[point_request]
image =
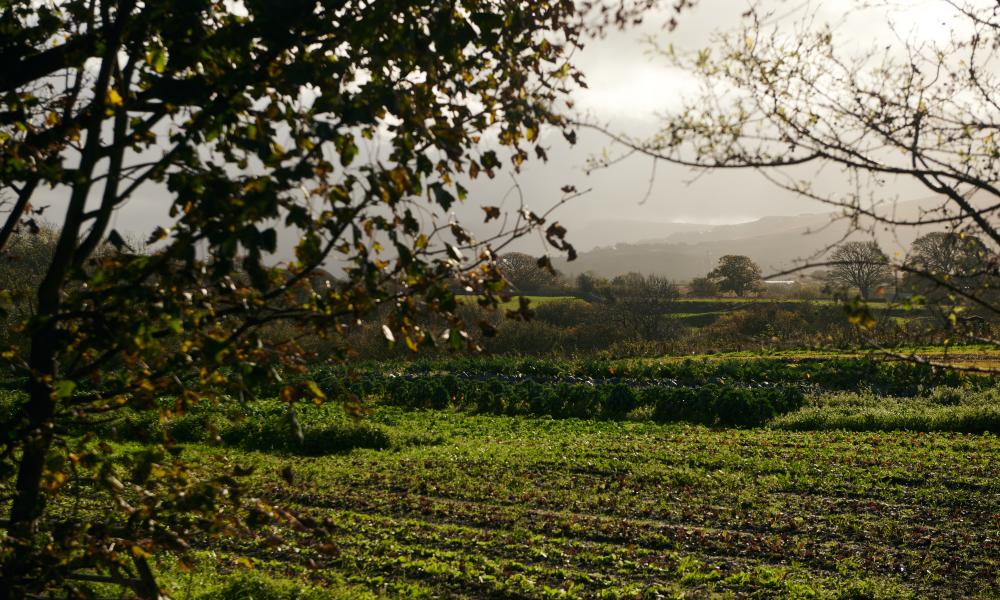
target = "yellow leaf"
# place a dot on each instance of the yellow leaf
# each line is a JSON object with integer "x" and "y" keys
{"x": 113, "y": 98}
{"x": 411, "y": 343}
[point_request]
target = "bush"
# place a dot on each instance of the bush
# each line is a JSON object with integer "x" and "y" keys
{"x": 581, "y": 402}
{"x": 195, "y": 426}
{"x": 620, "y": 400}
{"x": 719, "y": 405}
{"x": 276, "y": 433}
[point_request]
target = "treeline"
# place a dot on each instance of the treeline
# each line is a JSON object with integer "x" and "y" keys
{"x": 576, "y": 327}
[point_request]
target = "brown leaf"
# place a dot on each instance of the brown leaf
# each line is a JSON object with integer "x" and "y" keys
{"x": 492, "y": 212}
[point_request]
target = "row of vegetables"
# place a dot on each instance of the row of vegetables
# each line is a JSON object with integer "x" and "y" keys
{"x": 712, "y": 404}
{"x": 896, "y": 378}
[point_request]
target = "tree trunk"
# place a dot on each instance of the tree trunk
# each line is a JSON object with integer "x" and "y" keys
{"x": 29, "y": 503}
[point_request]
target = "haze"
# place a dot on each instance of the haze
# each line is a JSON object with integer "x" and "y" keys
{"x": 628, "y": 88}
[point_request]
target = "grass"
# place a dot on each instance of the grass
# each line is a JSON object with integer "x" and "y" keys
{"x": 539, "y": 508}
{"x": 944, "y": 410}
{"x": 514, "y": 302}
{"x": 984, "y": 356}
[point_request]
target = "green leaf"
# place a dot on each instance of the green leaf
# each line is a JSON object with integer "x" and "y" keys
{"x": 442, "y": 196}
{"x": 157, "y": 58}
{"x": 63, "y": 388}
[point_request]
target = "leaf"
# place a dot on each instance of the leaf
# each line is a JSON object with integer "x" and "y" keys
{"x": 308, "y": 249}
{"x": 288, "y": 394}
{"x": 454, "y": 252}
{"x": 460, "y": 234}
{"x": 158, "y": 234}
{"x": 157, "y": 58}
{"x": 492, "y": 212}
{"x": 116, "y": 240}
{"x": 411, "y": 343}
{"x": 387, "y": 334}
{"x": 63, "y": 388}
{"x": 347, "y": 148}
{"x": 488, "y": 329}
{"x": 555, "y": 230}
{"x": 113, "y": 98}
{"x": 317, "y": 394}
{"x": 442, "y": 197}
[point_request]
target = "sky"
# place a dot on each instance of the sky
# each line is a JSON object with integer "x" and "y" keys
{"x": 629, "y": 88}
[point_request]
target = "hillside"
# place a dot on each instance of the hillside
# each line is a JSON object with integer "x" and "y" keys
{"x": 775, "y": 243}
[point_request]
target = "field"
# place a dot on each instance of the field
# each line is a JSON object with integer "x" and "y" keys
{"x": 490, "y": 506}
{"x": 707, "y": 478}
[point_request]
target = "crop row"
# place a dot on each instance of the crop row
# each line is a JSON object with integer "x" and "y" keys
{"x": 621, "y": 508}
{"x": 881, "y": 376}
{"x": 708, "y": 405}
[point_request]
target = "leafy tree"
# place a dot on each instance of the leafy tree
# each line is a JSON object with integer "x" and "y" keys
{"x": 702, "y": 287}
{"x": 862, "y": 265}
{"x": 589, "y": 284}
{"x": 737, "y": 274}
{"x": 255, "y": 117}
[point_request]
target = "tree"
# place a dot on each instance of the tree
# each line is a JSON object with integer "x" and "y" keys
{"x": 786, "y": 92}
{"x": 953, "y": 259}
{"x": 702, "y": 287}
{"x": 589, "y": 284}
{"x": 862, "y": 265}
{"x": 254, "y": 117}
{"x": 524, "y": 274}
{"x": 737, "y": 274}
{"x": 641, "y": 302}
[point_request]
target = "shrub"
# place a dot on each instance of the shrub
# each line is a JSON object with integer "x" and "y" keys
{"x": 195, "y": 426}
{"x": 620, "y": 400}
{"x": 581, "y": 402}
{"x": 276, "y": 433}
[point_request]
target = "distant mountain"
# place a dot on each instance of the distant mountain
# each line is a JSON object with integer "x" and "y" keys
{"x": 616, "y": 231}
{"x": 775, "y": 243}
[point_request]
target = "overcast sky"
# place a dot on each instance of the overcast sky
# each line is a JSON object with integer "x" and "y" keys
{"x": 628, "y": 89}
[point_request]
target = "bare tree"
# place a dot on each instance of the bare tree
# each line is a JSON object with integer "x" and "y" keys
{"x": 783, "y": 94}
{"x": 947, "y": 257}
{"x": 702, "y": 287}
{"x": 641, "y": 303}
{"x": 861, "y": 265}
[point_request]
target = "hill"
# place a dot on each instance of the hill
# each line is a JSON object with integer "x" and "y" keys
{"x": 775, "y": 243}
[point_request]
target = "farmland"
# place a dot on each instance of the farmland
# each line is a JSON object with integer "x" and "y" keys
{"x": 605, "y": 479}
{"x": 472, "y": 505}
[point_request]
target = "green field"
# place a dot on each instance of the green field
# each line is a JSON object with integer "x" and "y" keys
{"x": 486, "y": 506}
{"x": 514, "y": 302}
{"x": 512, "y": 477}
